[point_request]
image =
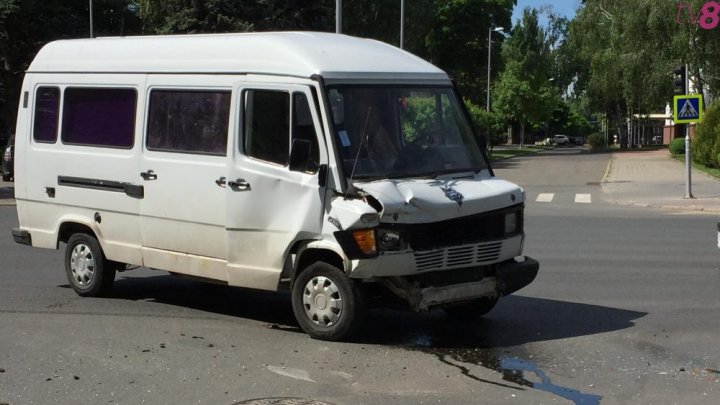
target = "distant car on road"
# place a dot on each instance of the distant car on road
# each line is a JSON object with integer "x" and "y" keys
{"x": 7, "y": 159}
{"x": 561, "y": 140}
{"x": 577, "y": 140}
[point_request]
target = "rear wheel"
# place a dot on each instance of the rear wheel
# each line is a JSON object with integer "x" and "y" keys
{"x": 327, "y": 304}
{"x": 472, "y": 309}
{"x": 90, "y": 274}
{"x": 6, "y": 177}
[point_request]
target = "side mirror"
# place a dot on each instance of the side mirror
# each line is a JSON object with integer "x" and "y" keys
{"x": 301, "y": 157}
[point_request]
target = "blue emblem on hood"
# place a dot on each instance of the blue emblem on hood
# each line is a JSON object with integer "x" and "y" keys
{"x": 452, "y": 194}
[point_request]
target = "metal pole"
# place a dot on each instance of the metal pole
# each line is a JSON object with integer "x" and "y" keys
{"x": 487, "y": 100}
{"x": 91, "y": 19}
{"x": 688, "y": 173}
{"x": 338, "y": 16}
{"x": 402, "y": 24}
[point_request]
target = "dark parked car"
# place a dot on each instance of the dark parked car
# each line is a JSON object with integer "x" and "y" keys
{"x": 7, "y": 159}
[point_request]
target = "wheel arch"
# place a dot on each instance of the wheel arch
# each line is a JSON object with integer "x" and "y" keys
{"x": 68, "y": 227}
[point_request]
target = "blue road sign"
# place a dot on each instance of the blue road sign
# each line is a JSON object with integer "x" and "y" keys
{"x": 687, "y": 108}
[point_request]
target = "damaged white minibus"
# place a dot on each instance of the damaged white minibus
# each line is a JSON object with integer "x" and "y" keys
{"x": 340, "y": 169}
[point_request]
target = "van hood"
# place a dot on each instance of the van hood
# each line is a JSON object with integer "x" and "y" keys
{"x": 432, "y": 200}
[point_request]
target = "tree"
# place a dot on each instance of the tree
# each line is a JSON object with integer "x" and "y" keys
{"x": 524, "y": 92}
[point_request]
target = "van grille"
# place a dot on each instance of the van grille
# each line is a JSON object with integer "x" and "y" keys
{"x": 459, "y": 256}
{"x": 472, "y": 229}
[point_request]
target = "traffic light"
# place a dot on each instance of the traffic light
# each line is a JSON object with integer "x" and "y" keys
{"x": 680, "y": 82}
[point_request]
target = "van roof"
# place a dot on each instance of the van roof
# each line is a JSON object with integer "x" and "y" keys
{"x": 302, "y": 54}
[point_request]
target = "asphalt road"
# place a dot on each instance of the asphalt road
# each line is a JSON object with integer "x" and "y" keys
{"x": 626, "y": 309}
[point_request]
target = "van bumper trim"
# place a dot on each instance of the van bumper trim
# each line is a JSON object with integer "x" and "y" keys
{"x": 22, "y": 237}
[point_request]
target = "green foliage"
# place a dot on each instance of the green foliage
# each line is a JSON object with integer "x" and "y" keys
{"x": 596, "y": 141}
{"x": 677, "y": 146}
{"x": 491, "y": 124}
{"x": 524, "y": 92}
{"x": 706, "y": 145}
{"x": 419, "y": 116}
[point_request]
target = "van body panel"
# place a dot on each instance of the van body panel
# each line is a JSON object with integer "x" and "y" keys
{"x": 263, "y": 219}
{"x": 295, "y": 54}
{"x": 432, "y": 200}
{"x": 68, "y": 182}
{"x": 183, "y": 209}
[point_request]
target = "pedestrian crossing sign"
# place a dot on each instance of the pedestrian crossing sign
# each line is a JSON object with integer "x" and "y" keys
{"x": 687, "y": 108}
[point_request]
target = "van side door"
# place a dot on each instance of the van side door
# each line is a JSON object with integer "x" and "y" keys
{"x": 184, "y": 159}
{"x": 275, "y": 196}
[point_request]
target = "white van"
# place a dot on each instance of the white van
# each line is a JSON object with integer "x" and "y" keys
{"x": 337, "y": 168}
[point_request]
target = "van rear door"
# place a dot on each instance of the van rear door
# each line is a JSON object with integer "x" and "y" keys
{"x": 271, "y": 201}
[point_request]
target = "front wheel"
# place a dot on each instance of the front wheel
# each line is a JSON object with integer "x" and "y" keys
{"x": 327, "y": 304}
{"x": 90, "y": 274}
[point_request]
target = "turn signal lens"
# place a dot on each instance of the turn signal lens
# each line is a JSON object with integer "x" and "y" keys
{"x": 365, "y": 240}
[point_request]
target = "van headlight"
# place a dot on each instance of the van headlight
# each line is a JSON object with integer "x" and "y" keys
{"x": 390, "y": 240}
{"x": 512, "y": 223}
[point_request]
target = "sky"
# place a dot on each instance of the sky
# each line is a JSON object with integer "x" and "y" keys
{"x": 564, "y": 7}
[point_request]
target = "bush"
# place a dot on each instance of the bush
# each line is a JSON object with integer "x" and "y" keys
{"x": 491, "y": 124}
{"x": 706, "y": 144}
{"x": 677, "y": 146}
{"x": 596, "y": 141}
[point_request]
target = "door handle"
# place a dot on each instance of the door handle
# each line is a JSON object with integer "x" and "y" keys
{"x": 149, "y": 175}
{"x": 239, "y": 184}
{"x": 221, "y": 181}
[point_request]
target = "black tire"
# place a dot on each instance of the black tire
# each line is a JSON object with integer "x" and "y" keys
{"x": 90, "y": 274}
{"x": 6, "y": 177}
{"x": 327, "y": 304}
{"x": 472, "y": 309}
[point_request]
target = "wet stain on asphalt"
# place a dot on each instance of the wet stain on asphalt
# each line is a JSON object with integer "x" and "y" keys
{"x": 455, "y": 345}
{"x": 513, "y": 369}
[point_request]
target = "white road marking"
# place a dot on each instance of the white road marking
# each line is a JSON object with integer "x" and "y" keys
{"x": 292, "y": 373}
{"x": 545, "y": 197}
{"x": 583, "y": 198}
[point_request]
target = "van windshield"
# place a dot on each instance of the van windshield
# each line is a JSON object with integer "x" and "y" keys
{"x": 396, "y": 132}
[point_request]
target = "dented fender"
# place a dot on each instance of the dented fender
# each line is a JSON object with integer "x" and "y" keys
{"x": 353, "y": 213}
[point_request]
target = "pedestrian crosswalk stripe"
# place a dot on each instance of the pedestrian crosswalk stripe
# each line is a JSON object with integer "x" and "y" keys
{"x": 545, "y": 197}
{"x": 583, "y": 198}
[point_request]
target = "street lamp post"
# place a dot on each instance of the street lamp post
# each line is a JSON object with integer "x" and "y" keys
{"x": 91, "y": 18}
{"x": 490, "y": 31}
{"x": 338, "y": 16}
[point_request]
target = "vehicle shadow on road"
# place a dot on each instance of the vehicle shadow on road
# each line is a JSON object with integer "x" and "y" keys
{"x": 270, "y": 307}
{"x": 516, "y": 320}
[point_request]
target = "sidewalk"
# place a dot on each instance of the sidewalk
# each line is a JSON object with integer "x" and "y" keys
{"x": 655, "y": 179}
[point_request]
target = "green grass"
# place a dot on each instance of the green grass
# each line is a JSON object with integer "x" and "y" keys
{"x": 509, "y": 153}
{"x": 709, "y": 170}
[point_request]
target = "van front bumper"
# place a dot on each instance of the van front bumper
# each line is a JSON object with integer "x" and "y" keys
{"x": 512, "y": 275}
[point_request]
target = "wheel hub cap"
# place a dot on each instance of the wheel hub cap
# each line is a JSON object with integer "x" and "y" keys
{"x": 322, "y": 301}
{"x": 82, "y": 265}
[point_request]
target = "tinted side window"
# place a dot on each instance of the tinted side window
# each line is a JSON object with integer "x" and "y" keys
{"x": 99, "y": 117}
{"x": 267, "y": 125}
{"x": 47, "y": 108}
{"x": 189, "y": 121}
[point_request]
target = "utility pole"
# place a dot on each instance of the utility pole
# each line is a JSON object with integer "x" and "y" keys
{"x": 688, "y": 165}
{"x": 490, "y": 31}
{"x": 338, "y": 16}
{"x": 402, "y": 24}
{"x": 91, "y": 18}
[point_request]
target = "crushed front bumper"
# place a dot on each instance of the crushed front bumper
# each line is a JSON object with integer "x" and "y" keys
{"x": 512, "y": 275}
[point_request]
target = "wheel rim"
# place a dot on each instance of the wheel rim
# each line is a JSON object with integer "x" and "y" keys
{"x": 82, "y": 265}
{"x": 322, "y": 301}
